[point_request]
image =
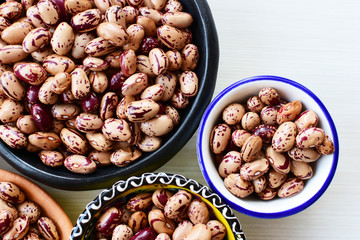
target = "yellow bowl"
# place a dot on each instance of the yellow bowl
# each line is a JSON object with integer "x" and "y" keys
{"x": 148, "y": 182}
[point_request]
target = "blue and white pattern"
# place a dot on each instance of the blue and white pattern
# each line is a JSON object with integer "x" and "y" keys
{"x": 86, "y": 222}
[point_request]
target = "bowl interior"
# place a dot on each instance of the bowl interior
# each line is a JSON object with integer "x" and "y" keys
{"x": 324, "y": 168}
{"x": 49, "y": 206}
{"x": 205, "y": 37}
{"x": 122, "y": 191}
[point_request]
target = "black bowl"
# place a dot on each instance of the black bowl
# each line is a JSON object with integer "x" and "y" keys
{"x": 123, "y": 190}
{"x": 205, "y": 37}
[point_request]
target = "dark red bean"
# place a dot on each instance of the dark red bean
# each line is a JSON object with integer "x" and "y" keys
{"x": 91, "y": 103}
{"x": 116, "y": 81}
{"x": 42, "y": 116}
{"x": 265, "y": 131}
{"x": 32, "y": 94}
{"x": 63, "y": 15}
{"x": 148, "y": 44}
{"x": 145, "y": 234}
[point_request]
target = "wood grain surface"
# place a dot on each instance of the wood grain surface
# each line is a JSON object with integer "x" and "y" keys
{"x": 316, "y": 43}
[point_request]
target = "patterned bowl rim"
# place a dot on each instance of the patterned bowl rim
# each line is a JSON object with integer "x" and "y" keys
{"x": 175, "y": 180}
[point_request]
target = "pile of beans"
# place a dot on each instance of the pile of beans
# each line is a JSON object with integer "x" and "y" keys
{"x": 266, "y": 146}
{"x": 89, "y": 83}
{"x": 21, "y": 218}
{"x": 159, "y": 215}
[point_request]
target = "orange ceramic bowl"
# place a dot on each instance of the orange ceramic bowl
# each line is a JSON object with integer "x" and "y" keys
{"x": 48, "y": 204}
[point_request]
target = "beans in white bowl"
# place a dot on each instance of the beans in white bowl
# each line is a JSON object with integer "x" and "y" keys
{"x": 264, "y": 156}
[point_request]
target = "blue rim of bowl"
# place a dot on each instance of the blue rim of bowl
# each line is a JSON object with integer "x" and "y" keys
{"x": 332, "y": 127}
{"x": 85, "y": 221}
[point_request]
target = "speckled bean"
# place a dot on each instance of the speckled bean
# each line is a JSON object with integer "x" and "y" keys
{"x": 45, "y": 140}
{"x": 198, "y": 212}
{"x": 160, "y": 223}
{"x": 107, "y": 30}
{"x": 138, "y": 221}
{"x": 250, "y": 120}
{"x": 11, "y": 9}
{"x": 116, "y": 129}
{"x": 51, "y": 158}
{"x": 46, "y": 95}
{"x": 310, "y": 137}
{"x": 159, "y": 125}
{"x": 284, "y": 137}
{"x": 48, "y": 228}
{"x": 76, "y": 6}
{"x": 136, "y": 34}
{"x": 189, "y": 83}
{"x": 32, "y": 73}
{"x": 160, "y": 197}
{"x": 306, "y": 119}
{"x": 219, "y": 138}
{"x": 62, "y": 39}
{"x": 64, "y": 111}
{"x": 125, "y": 156}
{"x": 278, "y": 160}
{"x": 275, "y": 179}
{"x": 108, "y": 221}
{"x": 135, "y": 84}
{"x": 12, "y": 87}
{"x": 198, "y": 232}
{"x": 266, "y": 132}
{"x": 87, "y": 122}
{"x": 149, "y": 144}
{"x": 80, "y": 41}
{"x": 291, "y": 187}
{"x": 327, "y": 147}
{"x": 304, "y": 154}
{"x": 18, "y": 230}
{"x": 99, "y": 157}
{"x": 86, "y": 21}
{"x": 74, "y": 141}
{"x": 259, "y": 183}
{"x": 54, "y": 64}
{"x": 29, "y": 209}
{"x": 177, "y": 203}
{"x": 238, "y": 186}
{"x": 143, "y": 65}
{"x": 168, "y": 80}
{"x": 268, "y": 115}
{"x": 142, "y": 110}
{"x": 80, "y": 164}
{"x": 251, "y": 148}
{"x": 16, "y": 32}
{"x": 122, "y": 232}
{"x": 26, "y": 124}
{"x": 99, "y": 47}
{"x": 289, "y": 112}
{"x": 115, "y": 14}
{"x": 269, "y": 96}
{"x": 10, "y": 111}
{"x": 49, "y": 12}
{"x": 182, "y": 229}
{"x": 171, "y": 37}
{"x": 11, "y": 193}
{"x": 158, "y": 60}
{"x": 139, "y": 202}
{"x": 13, "y": 137}
{"x": 301, "y": 170}
{"x": 6, "y": 220}
{"x": 230, "y": 164}
{"x": 12, "y": 54}
{"x": 268, "y": 193}
{"x": 177, "y": 19}
{"x": 255, "y": 169}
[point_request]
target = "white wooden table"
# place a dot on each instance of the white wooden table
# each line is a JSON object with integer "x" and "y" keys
{"x": 316, "y": 43}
